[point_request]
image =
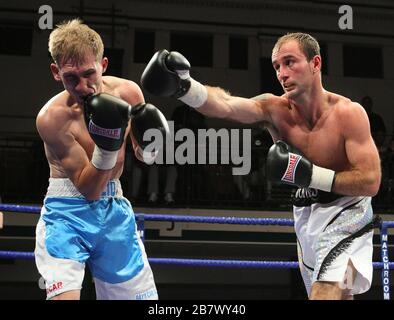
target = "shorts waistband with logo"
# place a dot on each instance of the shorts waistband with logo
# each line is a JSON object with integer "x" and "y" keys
{"x": 305, "y": 197}
{"x": 63, "y": 187}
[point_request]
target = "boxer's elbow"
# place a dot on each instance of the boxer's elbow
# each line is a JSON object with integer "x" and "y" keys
{"x": 372, "y": 183}
{"x": 372, "y": 190}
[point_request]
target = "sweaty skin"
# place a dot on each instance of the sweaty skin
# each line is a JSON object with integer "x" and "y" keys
{"x": 62, "y": 127}
{"x": 331, "y": 130}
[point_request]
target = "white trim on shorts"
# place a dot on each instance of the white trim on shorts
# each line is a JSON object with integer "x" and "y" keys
{"x": 60, "y": 275}
{"x": 141, "y": 287}
{"x": 63, "y": 187}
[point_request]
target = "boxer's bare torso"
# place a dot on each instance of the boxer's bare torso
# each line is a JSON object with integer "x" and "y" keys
{"x": 321, "y": 141}
{"x": 68, "y": 145}
{"x": 329, "y": 129}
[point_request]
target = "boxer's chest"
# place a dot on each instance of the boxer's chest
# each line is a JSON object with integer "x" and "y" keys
{"x": 323, "y": 144}
{"x": 82, "y": 136}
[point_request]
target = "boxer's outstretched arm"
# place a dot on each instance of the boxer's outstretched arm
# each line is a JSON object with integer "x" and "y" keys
{"x": 221, "y": 104}
{"x": 69, "y": 154}
{"x": 168, "y": 75}
{"x": 363, "y": 179}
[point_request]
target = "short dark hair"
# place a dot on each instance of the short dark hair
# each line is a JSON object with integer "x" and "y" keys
{"x": 308, "y": 44}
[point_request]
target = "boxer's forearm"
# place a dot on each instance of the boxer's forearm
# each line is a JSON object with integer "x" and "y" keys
{"x": 72, "y": 161}
{"x": 91, "y": 181}
{"x": 88, "y": 179}
{"x": 220, "y": 104}
{"x": 356, "y": 183}
{"x": 216, "y": 104}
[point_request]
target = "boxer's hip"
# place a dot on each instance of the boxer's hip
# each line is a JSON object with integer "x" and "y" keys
{"x": 326, "y": 229}
{"x": 68, "y": 216}
{"x": 101, "y": 232}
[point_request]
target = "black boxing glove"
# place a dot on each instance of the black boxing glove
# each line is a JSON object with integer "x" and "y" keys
{"x": 288, "y": 165}
{"x": 167, "y": 75}
{"x": 146, "y": 116}
{"x": 106, "y": 118}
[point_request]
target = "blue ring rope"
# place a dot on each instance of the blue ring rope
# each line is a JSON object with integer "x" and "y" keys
{"x": 185, "y": 218}
{"x": 23, "y": 255}
{"x": 175, "y": 218}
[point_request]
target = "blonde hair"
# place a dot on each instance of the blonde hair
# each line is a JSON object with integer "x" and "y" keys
{"x": 308, "y": 44}
{"x": 72, "y": 40}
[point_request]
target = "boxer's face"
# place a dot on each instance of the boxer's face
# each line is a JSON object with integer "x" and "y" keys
{"x": 82, "y": 78}
{"x": 293, "y": 71}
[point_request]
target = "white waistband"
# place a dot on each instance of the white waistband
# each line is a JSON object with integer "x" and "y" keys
{"x": 63, "y": 187}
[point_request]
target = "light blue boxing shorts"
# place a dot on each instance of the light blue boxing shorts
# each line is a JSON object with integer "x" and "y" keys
{"x": 73, "y": 231}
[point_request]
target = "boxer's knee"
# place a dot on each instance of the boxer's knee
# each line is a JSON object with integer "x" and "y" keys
{"x": 329, "y": 290}
{"x": 326, "y": 290}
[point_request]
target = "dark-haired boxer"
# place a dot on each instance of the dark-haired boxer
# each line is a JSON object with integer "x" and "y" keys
{"x": 323, "y": 145}
{"x": 85, "y": 218}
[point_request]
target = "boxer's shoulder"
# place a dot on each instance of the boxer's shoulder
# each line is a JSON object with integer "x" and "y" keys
{"x": 57, "y": 113}
{"x": 346, "y": 110}
{"x": 123, "y": 88}
{"x": 115, "y": 84}
{"x": 58, "y": 105}
{"x": 341, "y": 103}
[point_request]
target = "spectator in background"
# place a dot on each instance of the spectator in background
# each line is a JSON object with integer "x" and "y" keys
{"x": 386, "y": 194}
{"x": 378, "y": 132}
{"x": 133, "y": 171}
{"x": 154, "y": 174}
{"x": 255, "y": 185}
{"x": 183, "y": 117}
{"x": 139, "y": 170}
{"x": 378, "y": 128}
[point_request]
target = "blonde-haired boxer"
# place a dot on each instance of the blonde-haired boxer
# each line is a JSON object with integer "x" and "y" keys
{"x": 322, "y": 144}
{"x": 85, "y": 218}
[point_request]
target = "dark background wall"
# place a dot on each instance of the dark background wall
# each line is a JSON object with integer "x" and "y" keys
{"x": 226, "y": 42}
